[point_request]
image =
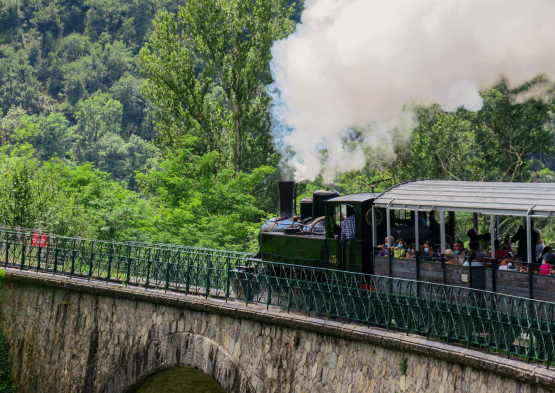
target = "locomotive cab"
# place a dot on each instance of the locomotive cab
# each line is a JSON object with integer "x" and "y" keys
{"x": 349, "y": 249}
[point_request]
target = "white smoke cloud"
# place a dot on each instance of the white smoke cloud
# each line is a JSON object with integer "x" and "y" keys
{"x": 358, "y": 62}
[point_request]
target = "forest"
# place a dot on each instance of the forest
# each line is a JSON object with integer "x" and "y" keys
{"x": 149, "y": 121}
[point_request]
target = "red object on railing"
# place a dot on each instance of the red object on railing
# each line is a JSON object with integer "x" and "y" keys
{"x": 38, "y": 240}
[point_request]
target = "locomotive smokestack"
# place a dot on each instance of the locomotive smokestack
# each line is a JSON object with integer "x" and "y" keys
{"x": 285, "y": 199}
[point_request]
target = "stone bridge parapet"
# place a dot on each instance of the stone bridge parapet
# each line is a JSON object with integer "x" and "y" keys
{"x": 72, "y": 335}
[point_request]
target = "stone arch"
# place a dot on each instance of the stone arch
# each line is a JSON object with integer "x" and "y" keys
{"x": 180, "y": 349}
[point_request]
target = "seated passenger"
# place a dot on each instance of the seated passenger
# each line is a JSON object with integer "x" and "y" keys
{"x": 460, "y": 252}
{"x": 545, "y": 250}
{"x": 450, "y": 257}
{"x": 476, "y": 247}
{"x": 509, "y": 249}
{"x": 547, "y": 266}
{"x": 411, "y": 254}
{"x": 429, "y": 253}
{"x": 499, "y": 252}
{"x": 520, "y": 265}
{"x": 385, "y": 247}
{"x": 507, "y": 264}
{"x": 422, "y": 219}
{"x": 400, "y": 248}
{"x": 486, "y": 243}
{"x": 448, "y": 242}
{"x": 471, "y": 256}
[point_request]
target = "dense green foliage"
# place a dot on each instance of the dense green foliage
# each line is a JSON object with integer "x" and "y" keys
{"x": 148, "y": 120}
{"x": 77, "y": 135}
{"x": 6, "y": 379}
{"x": 69, "y": 74}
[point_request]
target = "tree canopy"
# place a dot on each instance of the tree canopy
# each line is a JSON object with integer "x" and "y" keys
{"x": 149, "y": 120}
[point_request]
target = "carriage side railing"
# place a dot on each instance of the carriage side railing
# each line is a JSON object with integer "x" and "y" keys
{"x": 513, "y": 326}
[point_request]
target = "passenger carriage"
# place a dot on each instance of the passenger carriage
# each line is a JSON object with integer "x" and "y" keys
{"x": 313, "y": 237}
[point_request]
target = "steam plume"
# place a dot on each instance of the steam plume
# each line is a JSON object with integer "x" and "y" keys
{"x": 359, "y": 62}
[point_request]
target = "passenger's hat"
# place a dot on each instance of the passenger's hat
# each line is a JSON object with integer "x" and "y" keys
{"x": 549, "y": 257}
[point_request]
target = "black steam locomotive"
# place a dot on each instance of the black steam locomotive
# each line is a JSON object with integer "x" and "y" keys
{"x": 313, "y": 237}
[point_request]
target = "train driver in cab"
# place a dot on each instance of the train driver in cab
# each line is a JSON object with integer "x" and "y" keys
{"x": 348, "y": 226}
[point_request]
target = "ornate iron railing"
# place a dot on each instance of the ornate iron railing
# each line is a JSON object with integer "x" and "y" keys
{"x": 506, "y": 324}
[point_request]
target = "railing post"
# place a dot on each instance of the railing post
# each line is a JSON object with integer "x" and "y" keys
{"x": 549, "y": 342}
{"x": 530, "y": 280}
{"x": 55, "y": 255}
{"x": 188, "y": 278}
{"x": 91, "y": 259}
{"x": 149, "y": 262}
{"x": 390, "y": 260}
{"x": 289, "y": 288}
{"x": 269, "y": 300}
{"x": 22, "y": 255}
{"x": 442, "y": 259}
{"x": 530, "y": 344}
{"x": 128, "y": 258}
{"x": 249, "y": 283}
{"x": 389, "y": 306}
{"x": 167, "y": 285}
{"x": 410, "y": 321}
{"x": 310, "y": 294}
{"x": 73, "y": 252}
{"x": 208, "y": 272}
{"x": 228, "y": 277}
{"x": 494, "y": 274}
{"x": 110, "y": 257}
{"x": 350, "y": 299}
{"x": 418, "y": 273}
{"x": 470, "y": 312}
{"x": 38, "y": 258}
{"x": 7, "y": 252}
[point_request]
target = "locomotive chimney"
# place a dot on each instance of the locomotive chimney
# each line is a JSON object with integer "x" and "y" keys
{"x": 285, "y": 199}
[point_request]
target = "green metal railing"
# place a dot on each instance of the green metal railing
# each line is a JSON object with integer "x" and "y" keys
{"x": 506, "y": 324}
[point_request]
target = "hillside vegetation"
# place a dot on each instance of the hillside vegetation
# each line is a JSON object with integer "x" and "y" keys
{"x": 148, "y": 120}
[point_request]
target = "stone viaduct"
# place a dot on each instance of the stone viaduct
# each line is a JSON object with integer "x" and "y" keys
{"x": 73, "y": 335}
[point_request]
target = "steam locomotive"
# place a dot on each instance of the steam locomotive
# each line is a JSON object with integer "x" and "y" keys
{"x": 313, "y": 237}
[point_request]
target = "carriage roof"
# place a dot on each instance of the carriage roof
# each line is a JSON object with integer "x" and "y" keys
{"x": 482, "y": 197}
{"x": 360, "y": 197}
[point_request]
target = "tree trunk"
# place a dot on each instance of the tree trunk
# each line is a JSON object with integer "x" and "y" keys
{"x": 238, "y": 148}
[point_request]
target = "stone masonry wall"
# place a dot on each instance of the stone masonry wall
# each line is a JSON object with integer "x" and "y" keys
{"x": 83, "y": 339}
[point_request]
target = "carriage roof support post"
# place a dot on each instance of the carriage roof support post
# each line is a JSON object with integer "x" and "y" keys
{"x": 492, "y": 236}
{"x": 389, "y": 245}
{"x": 388, "y": 218}
{"x": 493, "y": 258}
{"x": 529, "y": 251}
{"x": 374, "y": 231}
{"x": 416, "y": 230}
{"x": 442, "y": 230}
